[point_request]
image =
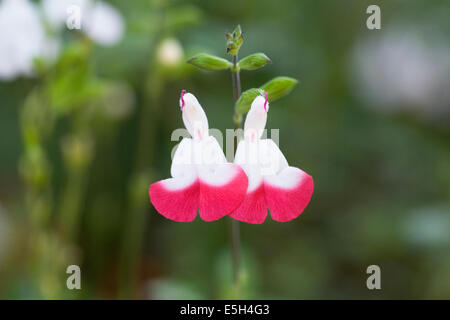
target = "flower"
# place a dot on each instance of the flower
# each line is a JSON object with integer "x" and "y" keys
{"x": 201, "y": 176}
{"x": 99, "y": 20}
{"x": 56, "y": 11}
{"x": 403, "y": 70}
{"x": 104, "y": 24}
{"x": 170, "y": 52}
{"x": 22, "y": 39}
{"x": 273, "y": 184}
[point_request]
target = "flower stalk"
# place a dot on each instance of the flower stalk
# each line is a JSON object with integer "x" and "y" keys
{"x": 235, "y": 228}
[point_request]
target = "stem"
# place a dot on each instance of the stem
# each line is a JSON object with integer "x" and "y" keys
{"x": 70, "y": 206}
{"x": 235, "y": 234}
{"x": 131, "y": 247}
{"x": 236, "y": 79}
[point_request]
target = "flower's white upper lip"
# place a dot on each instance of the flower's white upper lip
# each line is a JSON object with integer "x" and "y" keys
{"x": 193, "y": 115}
{"x": 255, "y": 121}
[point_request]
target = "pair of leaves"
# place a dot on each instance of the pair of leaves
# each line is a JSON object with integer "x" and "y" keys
{"x": 209, "y": 62}
{"x": 276, "y": 88}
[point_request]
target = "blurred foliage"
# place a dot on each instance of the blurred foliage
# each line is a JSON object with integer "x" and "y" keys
{"x": 82, "y": 140}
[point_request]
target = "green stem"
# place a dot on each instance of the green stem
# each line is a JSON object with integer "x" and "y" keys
{"x": 134, "y": 229}
{"x": 69, "y": 213}
{"x": 235, "y": 234}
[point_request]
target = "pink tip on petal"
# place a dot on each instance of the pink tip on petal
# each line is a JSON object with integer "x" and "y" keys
{"x": 181, "y": 98}
{"x": 265, "y": 102}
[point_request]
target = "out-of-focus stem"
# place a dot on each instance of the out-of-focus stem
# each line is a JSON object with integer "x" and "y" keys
{"x": 135, "y": 225}
{"x": 235, "y": 234}
{"x": 134, "y": 228}
{"x": 71, "y": 204}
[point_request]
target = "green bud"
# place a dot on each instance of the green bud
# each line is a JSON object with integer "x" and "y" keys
{"x": 245, "y": 100}
{"x": 254, "y": 61}
{"x": 237, "y": 33}
{"x": 209, "y": 62}
{"x": 279, "y": 87}
{"x": 234, "y": 41}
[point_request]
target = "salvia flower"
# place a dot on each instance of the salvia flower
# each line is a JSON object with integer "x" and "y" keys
{"x": 100, "y": 21}
{"x": 22, "y": 39}
{"x": 202, "y": 179}
{"x": 273, "y": 184}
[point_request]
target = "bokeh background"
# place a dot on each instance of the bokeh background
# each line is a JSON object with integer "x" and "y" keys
{"x": 85, "y": 124}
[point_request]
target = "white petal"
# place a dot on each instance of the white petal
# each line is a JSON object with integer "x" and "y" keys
{"x": 288, "y": 178}
{"x": 218, "y": 174}
{"x": 271, "y": 158}
{"x": 203, "y": 152}
{"x": 210, "y": 151}
{"x": 186, "y": 175}
{"x": 182, "y": 157}
{"x": 263, "y": 153}
{"x": 259, "y": 159}
{"x": 246, "y": 157}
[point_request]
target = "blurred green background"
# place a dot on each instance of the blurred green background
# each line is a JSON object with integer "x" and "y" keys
{"x": 84, "y": 136}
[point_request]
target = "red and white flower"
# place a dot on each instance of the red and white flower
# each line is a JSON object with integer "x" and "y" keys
{"x": 273, "y": 184}
{"x": 202, "y": 179}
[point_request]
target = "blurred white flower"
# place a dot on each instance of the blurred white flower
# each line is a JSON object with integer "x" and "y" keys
{"x": 99, "y": 20}
{"x": 104, "y": 24}
{"x": 170, "y": 52}
{"x": 22, "y": 38}
{"x": 401, "y": 70}
{"x": 55, "y": 11}
{"x": 428, "y": 226}
{"x": 164, "y": 289}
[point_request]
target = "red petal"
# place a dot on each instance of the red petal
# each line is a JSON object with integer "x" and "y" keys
{"x": 178, "y": 204}
{"x": 218, "y": 200}
{"x": 253, "y": 209}
{"x": 288, "y": 203}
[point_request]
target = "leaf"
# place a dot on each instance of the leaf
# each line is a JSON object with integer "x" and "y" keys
{"x": 245, "y": 100}
{"x": 209, "y": 62}
{"x": 276, "y": 88}
{"x": 279, "y": 87}
{"x": 254, "y": 61}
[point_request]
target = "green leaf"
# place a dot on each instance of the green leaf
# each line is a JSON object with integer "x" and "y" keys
{"x": 209, "y": 62}
{"x": 254, "y": 61}
{"x": 276, "y": 88}
{"x": 279, "y": 87}
{"x": 245, "y": 100}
